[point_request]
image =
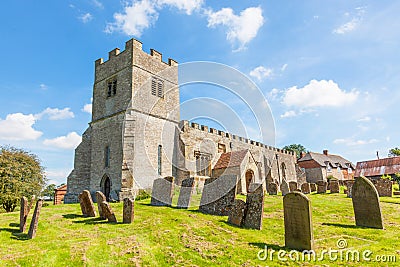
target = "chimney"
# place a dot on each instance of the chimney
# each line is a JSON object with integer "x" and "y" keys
{"x": 325, "y": 152}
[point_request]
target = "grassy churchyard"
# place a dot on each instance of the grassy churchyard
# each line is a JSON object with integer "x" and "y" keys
{"x": 164, "y": 236}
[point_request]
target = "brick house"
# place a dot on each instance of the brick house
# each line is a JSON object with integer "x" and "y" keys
{"x": 59, "y": 194}
{"x": 374, "y": 169}
{"x": 319, "y": 166}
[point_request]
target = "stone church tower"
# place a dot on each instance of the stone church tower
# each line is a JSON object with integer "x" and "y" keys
{"x": 132, "y": 137}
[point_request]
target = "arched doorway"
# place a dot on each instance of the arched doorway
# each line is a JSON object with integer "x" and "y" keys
{"x": 106, "y": 187}
{"x": 249, "y": 179}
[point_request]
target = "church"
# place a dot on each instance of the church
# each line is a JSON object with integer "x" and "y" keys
{"x": 136, "y": 135}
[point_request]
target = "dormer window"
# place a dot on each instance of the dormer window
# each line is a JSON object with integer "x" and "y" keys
{"x": 328, "y": 167}
{"x": 157, "y": 87}
{"x": 111, "y": 87}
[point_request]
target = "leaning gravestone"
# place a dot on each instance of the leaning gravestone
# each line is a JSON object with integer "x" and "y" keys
{"x": 100, "y": 197}
{"x": 284, "y": 188}
{"x": 218, "y": 195}
{"x": 366, "y": 206}
{"x": 305, "y": 188}
{"x": 108, "y": 212}
{"x": 349, "y": 185}
{"x": 23, "y": 214}
{"x": 87, "y": 203}
{"x": 82, "y": 204}
{"x": 313, "y": 187}
{"x": 185, "y": 194}
{"x": 293, "y": 186}
{"x": 237, "y": 213}
{"x": 162, "y": 192}
{"x": 128, "y": 211}
{"x": 334, "y": 186}
{"x": 321, "y": 187}
{"x": 30, "y": 206}
{"x": 35, "y": 219}
{"x": 298, "y": 222}
{"x": 272, "y": 189}
{"x": 254, "y": 207}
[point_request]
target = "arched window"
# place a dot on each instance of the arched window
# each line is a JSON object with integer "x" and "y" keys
{"x": 159, "y": 159}
{"x": 107, "y": 156}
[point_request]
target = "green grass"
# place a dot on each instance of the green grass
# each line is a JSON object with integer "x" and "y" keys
{"x": 164, "y": 236}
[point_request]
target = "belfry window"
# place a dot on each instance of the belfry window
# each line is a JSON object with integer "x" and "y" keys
{"x": 157, "y": 87}
{"x": 112, "y": 87}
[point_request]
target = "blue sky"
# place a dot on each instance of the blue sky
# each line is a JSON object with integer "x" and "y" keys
{"x": 328, "y": 69}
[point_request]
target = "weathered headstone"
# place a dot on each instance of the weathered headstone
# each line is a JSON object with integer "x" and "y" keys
{"x": 284, "y": 188}
{"x": 162, "y": 192}
{"x": 82, "y": 204}
{"x": 100, "y": 197}
{"x": 313, "y": 187}
{"x": 128, "y": 211}
{"x": 349, "y": 185}
{"x": 185, "y": 194}
{"x": 87, "y": 202}
{"x": 218, "y": 195}
{"x": 23, "y": 214}
{"x": 293, "y": 186}
{"x": 33, "y": 201}
{"x": 272, "y": 189}
{"x": 237, "y": 213}
{"x": 254, "y": 207}
{"x": 366, "y": 205}
{"x": 108, "y": 212}
{"x": 35, "y": 219}
{"x": 384, "y": 187}
{"x": 334, "y": 186}
{"x": 321, "y": 187}
{"x": 298, "y": 222}
{"x": 305, "y": 188}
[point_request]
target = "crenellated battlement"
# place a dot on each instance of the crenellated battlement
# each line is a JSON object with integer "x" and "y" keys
{"x": 186, "y": 125}
{"x": 131, "y": 46}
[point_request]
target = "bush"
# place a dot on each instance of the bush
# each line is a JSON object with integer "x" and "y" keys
{"x": 142, "y": 195}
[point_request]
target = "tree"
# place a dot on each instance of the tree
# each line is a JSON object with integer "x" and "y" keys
{"x": 49, "y": 191}
{"x": 296, "y": 148}
{"x": 21, "y": 174}
{"x": 394, "y": 152}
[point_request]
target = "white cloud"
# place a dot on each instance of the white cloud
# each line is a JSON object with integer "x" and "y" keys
{"x": 241, "y": 28}
{"x": 288, "y": 114}
{"x": 88, "y": 107}
{"x": 70, "y": 141}
{"x": 187, "y": 5}
{"x": 353, "y": 142}
{"x": 56, "y": 114}
{"x": 283, "y": 68}
{"x": 97, "y": 4}
{"x": 319, "y": 94}
{"x": 18, "y": 127}
{"x": 261, "y": 72}
{"x": 364, "y": 119}
{"x": 57, "y": 176}
{"x": 43, "y": 86}
{"x": 85, "y": 18}
{"x": 351, "y": 25}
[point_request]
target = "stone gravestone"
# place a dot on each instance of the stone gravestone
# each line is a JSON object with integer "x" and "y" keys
{"x": 321, "y": 187}
{"x": 334, "y": 186}
{"x": 33, "y": 198}
{"x": 100, "y": 197}
{"x": 162, "y": 192}
{"x": 313, "y": 187}
{"x": 254, "y": 207}
{"x": 284, "y": 188}
{"x": 292, "y": 186}
{"x": 82, "y": 204}
{"x": 237, "y": 213}
{"x": 108, "y": 212}
{"x": 218, "y": 195}
{"x": 366, "y": 206}
{"x": 23, "y": 214}
{"x": 35, "y": 219}
{"x": 384, "y": 187}
{"x": 128, "y": 212}
{"x": 349, "y": 185}
{"x": 87, "y": 203}
{"x": 185, "y": 194}
{"x": 298, "y": 222}
{"x": 272, "y": 189}
{"x": 305, "y": 188}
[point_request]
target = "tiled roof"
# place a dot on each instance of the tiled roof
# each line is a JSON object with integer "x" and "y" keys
{"x": 63, "y": 187}
{"x": 230, "y": 159}
{"x": 324, "y": 160}
{"x": 378, "y": 167}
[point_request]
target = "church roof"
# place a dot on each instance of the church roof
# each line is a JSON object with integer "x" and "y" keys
{"x": 231, "y": 159}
